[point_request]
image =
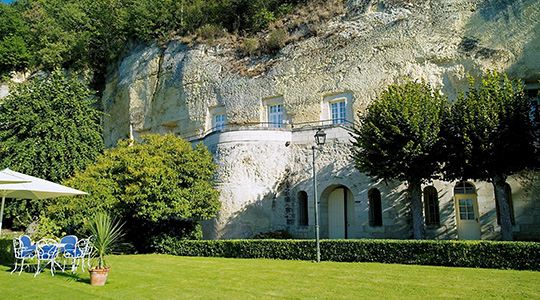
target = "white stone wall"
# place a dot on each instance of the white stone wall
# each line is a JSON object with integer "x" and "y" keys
{"x": 252, "y": 167}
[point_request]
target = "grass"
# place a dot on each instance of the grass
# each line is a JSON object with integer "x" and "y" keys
{"x": 172, "y": 277}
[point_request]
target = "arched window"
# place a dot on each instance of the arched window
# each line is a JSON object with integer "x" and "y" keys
{"x": 464, "y": 188}
{"x": 303, "y": 219}
{"x": 508, "y": 191}
{"x": 431, "y": 206}
{"x": 375, "y": 208}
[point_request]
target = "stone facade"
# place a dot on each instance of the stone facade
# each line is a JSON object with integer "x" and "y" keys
{"x": 263, "y": 170}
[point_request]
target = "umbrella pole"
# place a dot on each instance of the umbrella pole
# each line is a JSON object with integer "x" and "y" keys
{"x": 2, "y": 212}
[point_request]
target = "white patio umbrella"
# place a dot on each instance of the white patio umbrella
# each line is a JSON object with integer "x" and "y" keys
{"x": 32, "y": 188}
{"x": 6, "y": 178}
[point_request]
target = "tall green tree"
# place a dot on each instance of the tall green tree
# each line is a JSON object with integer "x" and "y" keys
{"x": 490, "y": 136}
{"x": 49, "y": 127}
{"x": 14, "y": 52}
{"x": 146, "y": 183}
{"x": 61, "y": 33}
{"x": 399, "y": 140}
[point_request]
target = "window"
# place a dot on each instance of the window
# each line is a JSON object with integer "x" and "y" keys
{"x": 275, "y": 115}
{"x": 508, "y": 192}
{"x": 466, "y": 209}
{"x": 431, "y": 206}
{"x": 219, "y": 122}
{"x": 338, "y": 112}
{"x": 216, "y": 118}
{"x": 303, "y": 218}
{"x": 375, "y": 208}
{"x": 464, "y": 188}
{"x": 337, "y": 108}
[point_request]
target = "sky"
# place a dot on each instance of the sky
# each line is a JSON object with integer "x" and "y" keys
{"x": 7, "y": 1}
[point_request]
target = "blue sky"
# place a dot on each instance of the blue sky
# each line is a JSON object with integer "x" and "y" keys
{"x": 7, "y": 1}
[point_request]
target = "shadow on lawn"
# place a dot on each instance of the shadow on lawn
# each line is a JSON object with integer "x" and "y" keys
{"x": 31, "y": 269}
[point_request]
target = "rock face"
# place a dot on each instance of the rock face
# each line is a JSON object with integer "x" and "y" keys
{"x": 262, "y": 171}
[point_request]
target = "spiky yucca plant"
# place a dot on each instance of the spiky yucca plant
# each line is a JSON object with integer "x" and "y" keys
{"x": 106, "y": 231}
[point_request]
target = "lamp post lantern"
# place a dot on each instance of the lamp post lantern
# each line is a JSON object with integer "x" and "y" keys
{"x": 320, "y": 139}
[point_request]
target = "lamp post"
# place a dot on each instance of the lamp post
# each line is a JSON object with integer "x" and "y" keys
{"x": 320, "y": 139}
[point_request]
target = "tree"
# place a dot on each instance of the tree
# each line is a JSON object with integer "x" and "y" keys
{"x": 160, "y": 179}
{"x": 399, "y": 139}
{"x": 49, "y": 128}
{"x": 61, "y": 33}
{"x": 14, "y": 52}
{"x": 490, "y": 136}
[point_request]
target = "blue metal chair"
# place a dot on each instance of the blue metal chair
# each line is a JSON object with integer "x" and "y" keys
{"x": 27, "y": 242}
{"x": 68, "y": 242}
{"x": 76, "y": 254}
{"x": 47, "y": 250}
{"x": 67, "y": 247}
{"x": 23, "y": 249}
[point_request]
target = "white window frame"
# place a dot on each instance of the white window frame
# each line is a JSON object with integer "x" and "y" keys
{"x": 344, "y": 113}
{"x": 269, "y": 117}
{"x": 275, "y": 115}
{"x": 219, "y": 122}
{"x": 217, "y": 118}
{"x": 338, "y": 111}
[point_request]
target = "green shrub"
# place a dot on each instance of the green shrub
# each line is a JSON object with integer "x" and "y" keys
{"x": 276, "y": 40}
{"x": 284, "y": 9}
{"x": 153, "y": 235}
{"x": 261, "y": 19}
{"x": 475, "y": 254}
{"x": 6, "y": 250}
{"x": 14, "y": 54}
{"x": 210, "y": 32}
{"x": 249, "y": 46}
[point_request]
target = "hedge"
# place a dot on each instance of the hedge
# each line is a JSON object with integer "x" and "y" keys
{"x": 475, "y": 254}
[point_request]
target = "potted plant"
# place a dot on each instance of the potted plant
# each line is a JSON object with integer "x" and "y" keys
{"x": 106, "y": 233}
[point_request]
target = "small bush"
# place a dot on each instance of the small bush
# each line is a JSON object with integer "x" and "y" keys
{"x": 209, "y": 32}
{"x": 283, "y": 10}
{"x": 261, "y": 19}
{"x": 473, "y": 254}
{"x": 276, "y": 40}
{"x": 249, "y": 47}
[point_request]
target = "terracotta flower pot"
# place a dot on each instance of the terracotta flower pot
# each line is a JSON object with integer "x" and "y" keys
{"x": 98, "y": 276}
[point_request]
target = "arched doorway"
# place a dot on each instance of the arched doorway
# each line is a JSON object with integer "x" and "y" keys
{"x": 341, "y": 221}
{"x": 466, "y": 203}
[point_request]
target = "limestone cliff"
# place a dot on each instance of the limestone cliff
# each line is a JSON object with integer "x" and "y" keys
{"x": 373, "y": 44}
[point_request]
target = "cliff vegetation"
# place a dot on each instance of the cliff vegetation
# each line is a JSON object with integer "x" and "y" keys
{"x": 91, "y": 34}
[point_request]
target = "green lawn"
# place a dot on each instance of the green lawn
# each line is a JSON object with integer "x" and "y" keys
{"x": 171, "y": 277}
